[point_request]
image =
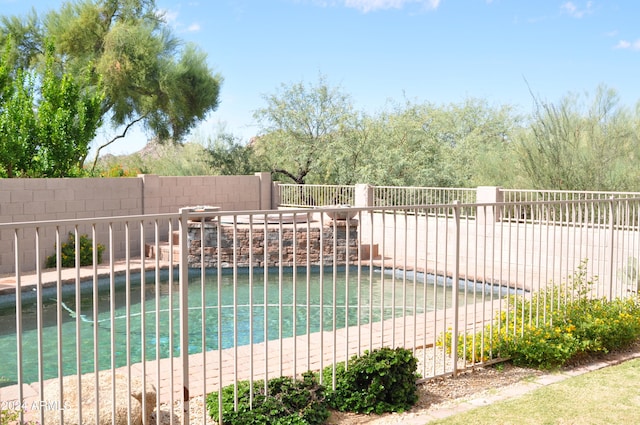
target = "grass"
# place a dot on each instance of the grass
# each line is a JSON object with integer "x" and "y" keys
{"x": 607, "y": 396}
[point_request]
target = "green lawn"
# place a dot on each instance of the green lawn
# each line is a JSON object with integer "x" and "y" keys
{"x": 607, "y": 396}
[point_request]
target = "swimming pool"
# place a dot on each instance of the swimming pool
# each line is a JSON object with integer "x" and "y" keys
{"x": 243, "y": 304}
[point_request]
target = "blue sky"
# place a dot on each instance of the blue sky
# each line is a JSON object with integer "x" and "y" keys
{"x": 439, "y": 51}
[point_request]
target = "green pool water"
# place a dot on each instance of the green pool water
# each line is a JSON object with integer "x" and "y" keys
{"x": 242, "y": 309}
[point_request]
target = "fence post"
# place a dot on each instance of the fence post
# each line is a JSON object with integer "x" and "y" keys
{"x": 611, "y": 242}
{"x": 276, "y": 195}
{"x": 454, "y": 289}
{"x": 266, "y": 188}
{"x": 184, "y": 311}
{"x": 363, "y": 195}
{"x": 489, "y": 195}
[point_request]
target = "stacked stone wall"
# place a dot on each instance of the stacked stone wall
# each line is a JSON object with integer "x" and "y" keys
{"x": 234, "y": 245}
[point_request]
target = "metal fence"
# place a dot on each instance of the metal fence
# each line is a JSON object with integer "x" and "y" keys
{"x": 571, "y": 209}
{"x": 310, "y": 195}
{"x": 535, "y": 195}
{"x": 211, "y": 298}
{"x": 385, "y": 196}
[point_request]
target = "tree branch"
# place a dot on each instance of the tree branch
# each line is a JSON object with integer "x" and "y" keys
{"x": 119, "y": 136}
{"x": 297, "y": 179}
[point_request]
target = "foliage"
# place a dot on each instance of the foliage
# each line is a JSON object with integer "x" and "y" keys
{"x": 300, "y": 127}
{"x": 68, "y": 252}
{"x": 443, "y": 146}
{"x": 286, "y": 401}
{"x": 8, "y": 416}
{"x": 574, "y": 146}
{"x": 383, "y": 380}
{"x": 118, "y": 170}
{"x": 168, "y": 159}
{"x": 229, "y": 156}
{"x": 571, "y": 323}
{"x": 147, "y": 74}
{"x": 45, "y": 126}
{"x": 67, "y": 119}
{"x": 12, "y": 416}
{"x": 120, "y": 166}
{"x": 172, "y": 159}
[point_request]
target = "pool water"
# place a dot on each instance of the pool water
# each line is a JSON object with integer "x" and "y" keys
{"x": 242, "y": 309}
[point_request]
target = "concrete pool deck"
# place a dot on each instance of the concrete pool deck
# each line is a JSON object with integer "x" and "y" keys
{"x": 49, "y": 277}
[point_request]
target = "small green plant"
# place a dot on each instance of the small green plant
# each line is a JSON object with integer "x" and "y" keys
{"x": 379, "y": 381}
{"x": 68, "y": 252}
{"x": 287, "y": 401}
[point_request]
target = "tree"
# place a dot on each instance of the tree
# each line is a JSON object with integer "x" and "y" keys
{"x": 421, "y": 144}
{"x": 575, "y": 145}
{"x": 404, "y": 154}
{"x": 148, "y": 75}
{"x": 476, "y": 141}
{"x": 300, "y": 126}
{"x": 45, "y": 135}
{"x": 229, "y": 156}
{"x": 17, "y": 121}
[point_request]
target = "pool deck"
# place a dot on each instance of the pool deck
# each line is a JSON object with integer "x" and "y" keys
{"x": 208, "y": 371}
{"x": 49, "y": 277}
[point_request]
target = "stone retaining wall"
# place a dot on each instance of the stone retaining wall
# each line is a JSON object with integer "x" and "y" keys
{"x": 236, "y": 242}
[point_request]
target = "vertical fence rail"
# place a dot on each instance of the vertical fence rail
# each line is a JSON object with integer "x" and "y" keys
{"x": 184, "y": 312}
{"x": 456, "y": 279}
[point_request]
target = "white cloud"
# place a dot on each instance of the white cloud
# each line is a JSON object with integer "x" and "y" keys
{"x": 195, "y": 27}
{"x": 372, "y": 5}
{"x": 631, "y": 45}
{"x": 576, "y": 12}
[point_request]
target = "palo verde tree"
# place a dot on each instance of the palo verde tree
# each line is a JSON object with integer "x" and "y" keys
{"x": 46, "y": 123}
{"x": 300, "y": 126}
{"x": 148, "y": 75}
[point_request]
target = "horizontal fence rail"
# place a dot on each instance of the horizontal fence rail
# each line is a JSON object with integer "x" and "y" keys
{"x": 535, "y": 195}
{"x": 203, "y": 299}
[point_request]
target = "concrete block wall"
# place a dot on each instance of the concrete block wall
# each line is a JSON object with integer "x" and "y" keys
{"x": 24, "y": 200}
{"x": 27, "y": 200}
{"x": 230, "y": 193}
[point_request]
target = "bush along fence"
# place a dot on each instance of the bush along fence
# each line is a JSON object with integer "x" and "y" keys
{"x": 554, "y": 327}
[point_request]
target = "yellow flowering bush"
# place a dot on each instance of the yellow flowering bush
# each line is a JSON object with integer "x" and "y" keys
{"x": 550, "y": 328}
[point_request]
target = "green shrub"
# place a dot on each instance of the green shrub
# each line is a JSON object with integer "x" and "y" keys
{"x": 287, "y": 402}
{"x": 379, "y": 381}
{"x": 68, "y": 252}
{"x": 570, "y": 323}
